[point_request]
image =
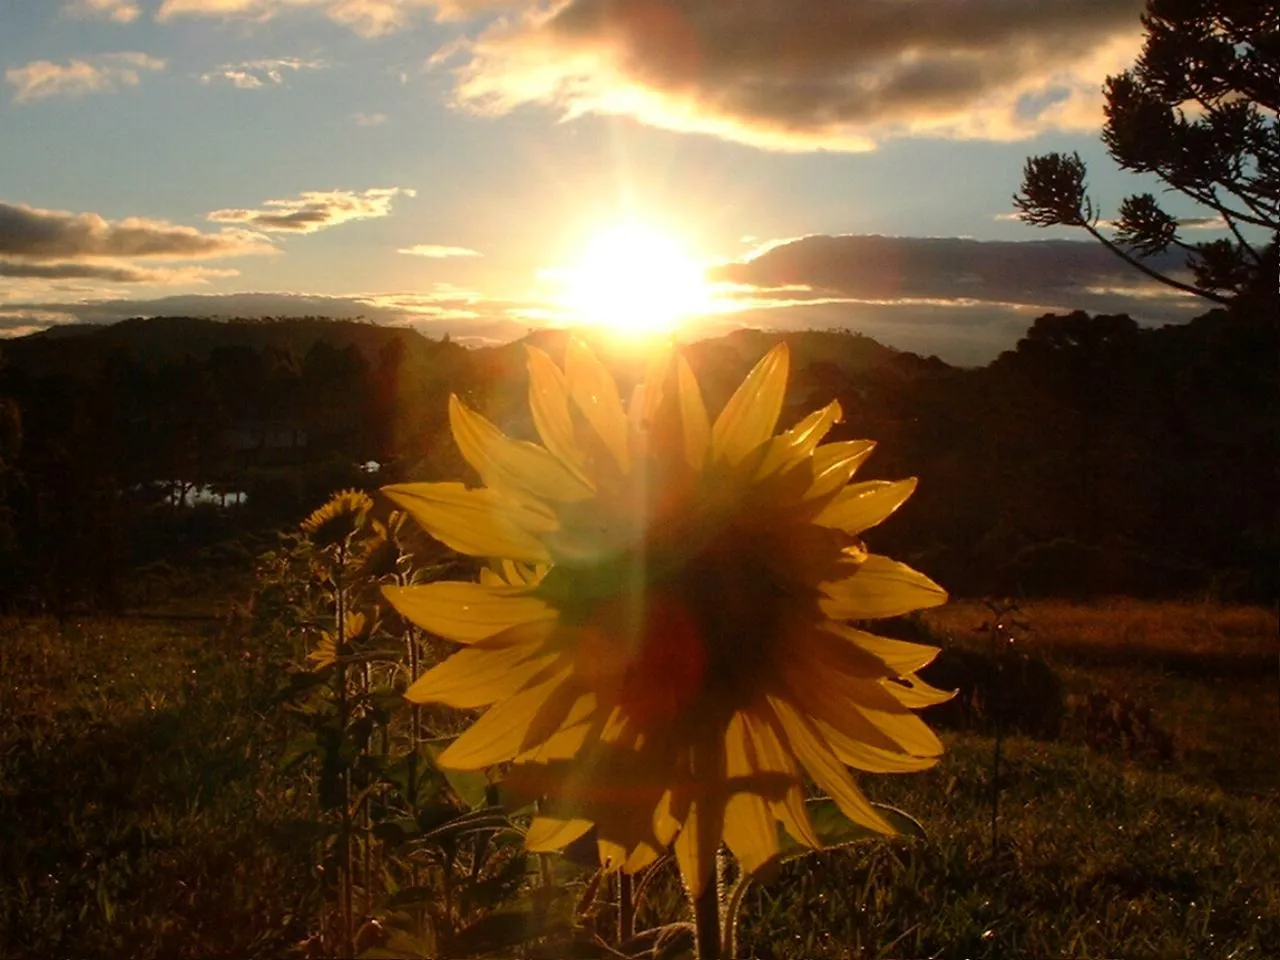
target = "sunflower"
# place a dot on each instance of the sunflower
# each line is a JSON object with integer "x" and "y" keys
{"x": 337, "y": 519}
{"x": 663, "y": 635}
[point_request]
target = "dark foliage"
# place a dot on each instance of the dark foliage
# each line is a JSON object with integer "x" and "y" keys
{"x": 1198, "y": 112}
{"x": 1096, "y": 457}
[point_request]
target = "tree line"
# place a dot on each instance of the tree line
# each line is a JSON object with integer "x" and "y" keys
{"x": 1095, "y": 457}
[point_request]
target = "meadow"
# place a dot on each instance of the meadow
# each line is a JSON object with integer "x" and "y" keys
{"x": 146, "y": 812}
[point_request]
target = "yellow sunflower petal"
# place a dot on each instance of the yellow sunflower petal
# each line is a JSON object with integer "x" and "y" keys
{"x": 698, "y": 841}
{"x": 827, "y": 771}
{"x": 905, "y": 728}
{"x": 547, "y": 834}
{"x": 565, "y": 744}
{"x": 911, "y": 691}
{"x": 880, "y": 588}
{"x": 835, "y": 464}
{"x": 596, "y": 395}
{"x": 770, "y": 756}
{"x": 480, "y": 523}
{"x": 863, "y": 505}
{"x": 693, "y": 416}
{"x": 477, "y": 676}
{"x": 467, "y": 612}
{"x": 862, "y": 756}
{"x": 827, "y": 697}
{"x": 567, "y": 707}
{"x": 500, "y": 733}
{"x": 513, "y": 465}
{"x": 642, "y": 856}
{"x": 611, "y": 853}
{"x": 549, "y": 403}
{"x": 813, "y": 649}
{"x": 787, "y": 449}
{"x": 858, "y": 707}
{"x": 750, "y": 830}
{"x": 665, "y": 825}
{"x": 900, "y": 724}
{"x": 751, "y": 414}
{"x": 898, "y": 656}
{"x": 647, "y": 397}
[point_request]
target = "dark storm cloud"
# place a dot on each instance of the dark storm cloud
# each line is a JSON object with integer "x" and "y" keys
{"x": 804, "y": 75}
{"x": 1040, "y": 273}
{"x": 37, "y": 235}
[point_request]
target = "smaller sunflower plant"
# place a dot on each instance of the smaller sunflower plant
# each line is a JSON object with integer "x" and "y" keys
{"x": 667, "y": 633}
{"x": 411, "y": 860}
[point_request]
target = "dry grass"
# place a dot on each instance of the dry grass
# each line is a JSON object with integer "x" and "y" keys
{"x": 1210, "y": 673}
{"x": 1124, "y": 626}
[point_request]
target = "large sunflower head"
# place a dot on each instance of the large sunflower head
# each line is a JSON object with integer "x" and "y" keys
{"x": 664, "y": 636}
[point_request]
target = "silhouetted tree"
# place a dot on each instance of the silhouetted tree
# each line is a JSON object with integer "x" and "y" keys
{"x": 1199, "y": 111}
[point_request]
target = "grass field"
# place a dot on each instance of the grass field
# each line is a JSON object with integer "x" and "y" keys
{"x": 141, "y": 814}
{"x": 144, "y": 815}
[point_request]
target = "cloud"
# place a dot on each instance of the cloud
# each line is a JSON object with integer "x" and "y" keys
{"x": 367, "y": 18}
{"x": 38, "y": 235}
{"x": 825, "y": 74}
{"x": 1214, "y": 222}
{"x": 117, "y": 11}
{"x": 964, "y": 300}
{"x": 43, "y": 252}
{"x": 111, "y": 272}
{"x": 315, "y": 210}
{"x": 437, "y": 251}
{"x": 255, "y": 74}
{"x": 1038, "y": 274}
{"x": 369, "y": 119}
{"x": 40, "y": 79}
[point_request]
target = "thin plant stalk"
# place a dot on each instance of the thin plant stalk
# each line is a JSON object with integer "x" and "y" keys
{"x": 995, "y": 786}
{"x": 706, "y": 918}
{"x": 626, "y": 907}
{"x": 344, "y": 712}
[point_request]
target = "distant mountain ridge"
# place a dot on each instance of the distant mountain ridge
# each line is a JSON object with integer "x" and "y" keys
{"x": 82, "y": 348}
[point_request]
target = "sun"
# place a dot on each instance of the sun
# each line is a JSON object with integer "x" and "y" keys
{"x": 635, "y": 279}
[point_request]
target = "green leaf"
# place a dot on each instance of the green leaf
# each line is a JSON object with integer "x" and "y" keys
{"x": 396, "y": 832}
{"x": 415, "y": 777}
{"x": 436, "y": 814}
{"x": 497, "y": 931}
{"x": 412, "y": 896}
{"x": 297, "y": 750}
{"x": 471, "y": 786}
{"x": 493, "y": 818}
{"x": 401, "y": 946}
{"x": 835, "y": 830}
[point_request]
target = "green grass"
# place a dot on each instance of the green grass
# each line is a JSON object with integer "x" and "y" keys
{"x": 1095, "y": 858}
{"x": 1209, "y": 673}
{"x": 143, "y": 814}
{"x": 1098, "y": 855}
{"x": 140, "y": 812}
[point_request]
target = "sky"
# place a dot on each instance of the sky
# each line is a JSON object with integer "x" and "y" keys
{"x": 446, "y": 163}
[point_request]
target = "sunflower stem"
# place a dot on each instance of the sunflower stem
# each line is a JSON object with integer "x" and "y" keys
{"x": 706, "y": 918}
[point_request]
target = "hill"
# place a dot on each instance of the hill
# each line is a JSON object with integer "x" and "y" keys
{"x": 1097, "y": 456}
